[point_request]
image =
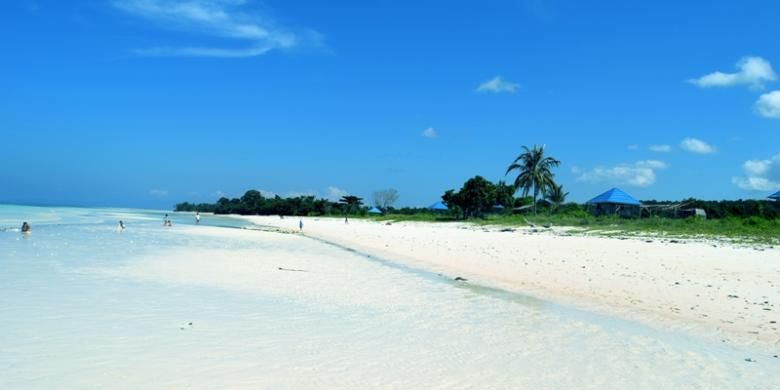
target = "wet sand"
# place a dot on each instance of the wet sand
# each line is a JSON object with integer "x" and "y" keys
{"x": 727, "y": 292}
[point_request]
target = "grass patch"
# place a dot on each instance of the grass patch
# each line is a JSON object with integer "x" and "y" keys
{"x": 744, "y": 230}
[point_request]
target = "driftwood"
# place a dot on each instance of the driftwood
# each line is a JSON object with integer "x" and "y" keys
{"x": 292, "y": 270}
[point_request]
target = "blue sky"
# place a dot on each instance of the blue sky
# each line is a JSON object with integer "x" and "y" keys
{"x": 150, "y": 102}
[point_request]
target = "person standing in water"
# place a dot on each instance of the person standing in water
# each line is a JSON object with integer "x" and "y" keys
{"x": 197, "y": 217}
{"x": 26, "y": 229}
{"x": 121, "y": 227}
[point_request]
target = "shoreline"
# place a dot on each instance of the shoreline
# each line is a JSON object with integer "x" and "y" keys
{"x": 722, "y": 291}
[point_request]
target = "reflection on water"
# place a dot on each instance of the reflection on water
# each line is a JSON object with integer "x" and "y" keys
{"x": 85, "y": 306}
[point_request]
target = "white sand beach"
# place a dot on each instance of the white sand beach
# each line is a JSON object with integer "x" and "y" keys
{"x": 723, "y": 291}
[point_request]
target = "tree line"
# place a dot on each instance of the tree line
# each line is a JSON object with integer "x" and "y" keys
{"x": 254, "y": 203}
{"x": 534, "y": 180}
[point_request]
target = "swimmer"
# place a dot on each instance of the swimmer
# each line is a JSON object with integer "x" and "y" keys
{"x": 26, "y": 229}
{"x": 121, "y": 227}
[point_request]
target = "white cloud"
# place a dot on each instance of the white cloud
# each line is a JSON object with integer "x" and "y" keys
{"x": 660, "y": 148}
{"x": 768, "y": 104}
{"x": 201, "y": 52}
{"x": 638, "y": 174}
{"x": 335, "y": 193}
{"x": 654, "y": 164}
{"x": 498, "y": 85}
{"x": 429, "y": 133}
{"x": 158, "y": 192}
{"x": 213, "y": 19}
{"x": 753, "y": 71}
{"x": 696, "y": 145}
{"x": 633, "y": 147}
{"x": 760, "y": 175}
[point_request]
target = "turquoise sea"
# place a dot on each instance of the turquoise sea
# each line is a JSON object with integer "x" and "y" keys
{"x": 85, "y": 306}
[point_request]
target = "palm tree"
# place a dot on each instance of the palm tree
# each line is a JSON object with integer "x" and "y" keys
{"x": 350, "y": 202}
{"x": 556, "y": 196}
{"x": 534, "y": 171}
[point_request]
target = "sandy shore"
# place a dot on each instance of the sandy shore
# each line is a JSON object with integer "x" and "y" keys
{"x": 726, "y": 292}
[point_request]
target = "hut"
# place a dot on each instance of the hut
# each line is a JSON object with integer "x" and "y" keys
{"x": 374, "y": 210}
{"x": 615, "y": 202}
{"x": 438, "y": 206}
{"x": 775, "y": 196}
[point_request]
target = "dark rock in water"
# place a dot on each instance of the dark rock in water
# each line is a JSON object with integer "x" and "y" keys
{"x": 459, "y": 279}
{"x": 749, "y": 360}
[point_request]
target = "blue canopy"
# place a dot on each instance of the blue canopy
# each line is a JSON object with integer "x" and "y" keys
{"x": 374, "y": 210}
{"x": 438, "y": 206}
{"x": 775, "y": 196}
{"x": 615, "y": 196}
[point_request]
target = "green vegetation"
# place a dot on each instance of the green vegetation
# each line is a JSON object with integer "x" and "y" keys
{"x": 483, "y": 202}
{"x": 742, "y": 229}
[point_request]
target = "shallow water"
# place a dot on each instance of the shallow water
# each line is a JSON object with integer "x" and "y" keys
{"x": 84, "y": 306}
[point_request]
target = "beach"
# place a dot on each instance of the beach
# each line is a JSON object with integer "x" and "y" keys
{"x": 229, "y": 304}
{"x": 725, "y": 291}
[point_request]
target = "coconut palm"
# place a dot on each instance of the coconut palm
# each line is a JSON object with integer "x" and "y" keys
{"x": 534, "y": 171}
{"x": 350, "y": 202}
{"x": 556, "y": 196}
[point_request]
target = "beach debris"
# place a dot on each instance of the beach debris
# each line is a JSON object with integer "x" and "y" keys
{"x": 460, "y": 279}
{"x": 733, "y": 296}
{"x": 292, "y": 270}
{"x": 509, "y": 230}
{"x": 188, "y": 325}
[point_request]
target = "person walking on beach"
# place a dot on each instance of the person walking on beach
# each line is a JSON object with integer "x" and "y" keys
{"x": 300, "y": 224}
{"x": 26, "y": 229}
{"x": 197, "y": 217}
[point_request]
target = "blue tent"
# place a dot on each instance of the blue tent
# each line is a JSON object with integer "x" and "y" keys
{"x": 775, "y": 196}
{"x": 438, "y": 206}
{"x": 615, "y": 196}
{"x": 374, "y": 210}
